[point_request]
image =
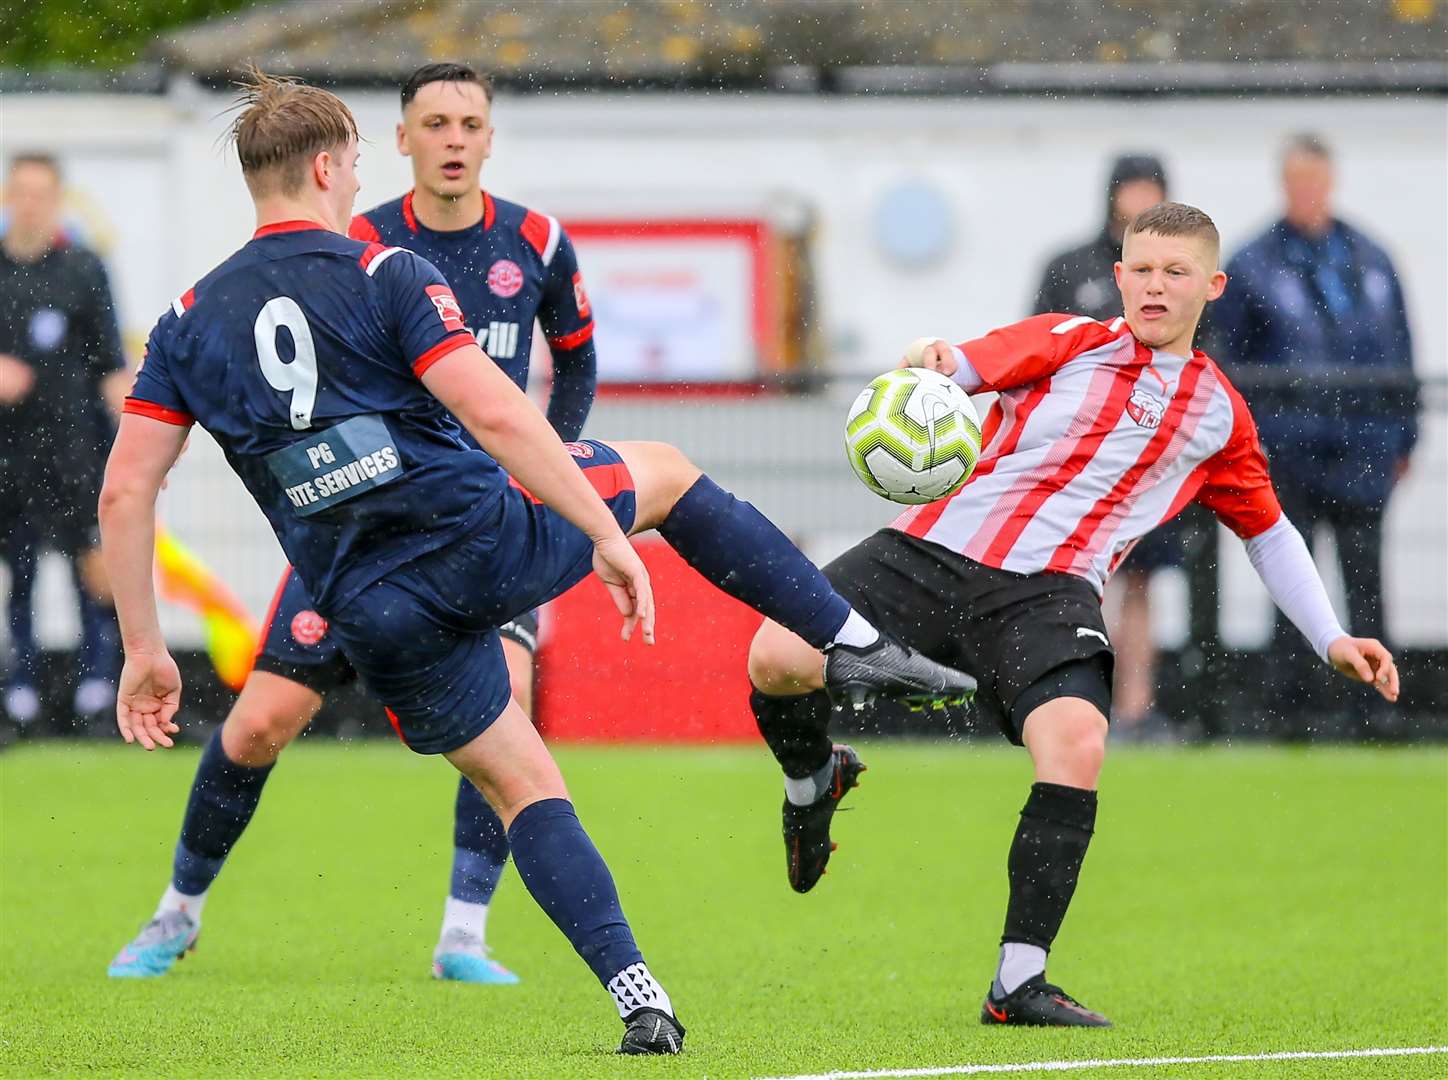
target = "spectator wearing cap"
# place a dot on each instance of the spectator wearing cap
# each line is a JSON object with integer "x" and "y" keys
{"x": 1314, "y": 327}
{"x": 60, "y": 363}
{"x": 1081, "y": 282}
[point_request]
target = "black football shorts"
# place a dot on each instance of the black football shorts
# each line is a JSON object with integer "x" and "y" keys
{"x": 1025, "y": 638}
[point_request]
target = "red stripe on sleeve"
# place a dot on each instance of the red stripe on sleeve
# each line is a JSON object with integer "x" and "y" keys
{"x": 370, "y": 252}
{"x": 573, "y": 340}
{"x": 157, "y": 412}
{"x": 363, "y": 229}
{"x": 535, "y": 230}
{"x": 441, "y": 349}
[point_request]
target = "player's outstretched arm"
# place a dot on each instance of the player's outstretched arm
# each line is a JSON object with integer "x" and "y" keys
{"x": 1282, "y": 561}
{"x": 511, "y": 429}
{"x": 150, "y": 687}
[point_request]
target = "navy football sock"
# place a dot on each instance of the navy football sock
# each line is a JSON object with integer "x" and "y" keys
{"x": 223, "y": 798}
{"x": 740, "y": 550}
{"x": 567, "y": 877}
{"x": 480, "y": 846}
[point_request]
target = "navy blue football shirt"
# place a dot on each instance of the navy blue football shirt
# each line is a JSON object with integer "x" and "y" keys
{"x": 300, "y": 355}
{"x": 513, "y": 266}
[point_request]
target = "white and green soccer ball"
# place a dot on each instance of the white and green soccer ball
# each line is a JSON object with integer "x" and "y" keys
{"x": 912, "y": 436}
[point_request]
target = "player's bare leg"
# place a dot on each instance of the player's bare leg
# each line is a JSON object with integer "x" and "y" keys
{"x": 738, "y": 549}
{"x": 1066, "y": 737}
{"x": 480, "y": 852}
{"x": 565, "y": 874}
{"x": 269, "y": 713}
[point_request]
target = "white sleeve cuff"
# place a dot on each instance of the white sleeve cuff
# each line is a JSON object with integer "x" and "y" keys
{"x": 1284, "y": 564}
{"x": 966, "y": 377}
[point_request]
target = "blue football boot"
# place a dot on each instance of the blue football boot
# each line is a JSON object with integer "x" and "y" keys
{"x": 161, "y": 942}
{"x": 462, "y": 957}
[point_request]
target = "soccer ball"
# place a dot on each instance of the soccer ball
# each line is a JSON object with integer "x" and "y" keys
{"x": 912, "y": 436}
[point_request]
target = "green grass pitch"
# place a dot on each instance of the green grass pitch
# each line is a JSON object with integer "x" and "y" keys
{"x": 1246, "y": 900}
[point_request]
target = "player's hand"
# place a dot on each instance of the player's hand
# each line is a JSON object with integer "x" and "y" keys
{"x": 16, "y": 379}
{"x": 1365, "y": 660}
{"x": 147, "y": 699}
{"x": 932, "y": 353}
{"x": 617, "y": 563}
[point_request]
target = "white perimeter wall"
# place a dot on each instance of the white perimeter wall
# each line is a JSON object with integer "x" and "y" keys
{"x": 1021, "y": 177}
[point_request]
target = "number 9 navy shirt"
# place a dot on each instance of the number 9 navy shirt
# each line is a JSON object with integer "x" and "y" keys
{"x": 301, "y": 356}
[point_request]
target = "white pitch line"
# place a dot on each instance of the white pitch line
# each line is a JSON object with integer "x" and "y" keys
{"x": 1116, "y": 1063}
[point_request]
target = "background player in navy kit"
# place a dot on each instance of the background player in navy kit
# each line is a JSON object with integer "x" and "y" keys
{"x": 506, "y": 265}
{"x": 326, "y": 368}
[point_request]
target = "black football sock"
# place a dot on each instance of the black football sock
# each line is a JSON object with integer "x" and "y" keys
{"x": 224, "y": 796}
{"x": 796, "y": 729}
{"x": 1044, "y": 863}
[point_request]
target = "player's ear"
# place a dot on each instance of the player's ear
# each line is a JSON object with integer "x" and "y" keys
{"x": 1116, "y": 273}
{"x": 1216, "y": 285}
{"x": 322, "y": 169}
{"x": 402, "y": 147}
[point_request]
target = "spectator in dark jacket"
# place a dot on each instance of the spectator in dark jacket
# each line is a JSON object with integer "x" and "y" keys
{"x": 60, "y": 361}
{"x": 1080, "y": 281}
{"x": 1314, "y": 327}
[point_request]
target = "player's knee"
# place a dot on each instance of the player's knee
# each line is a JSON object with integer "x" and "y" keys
{"x": 781, "y": 663}
{"x": 1082, "y": 746}
{"x": 662, "y": 474}
{"x": 255, "y": 735}
{"x": 1067, "y": 740}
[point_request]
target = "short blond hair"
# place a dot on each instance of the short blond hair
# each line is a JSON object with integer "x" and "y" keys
{"x": 1177, "y": 219}
{"x": 283, "y": 124}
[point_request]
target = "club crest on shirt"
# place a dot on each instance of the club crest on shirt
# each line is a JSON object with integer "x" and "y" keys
{"x": 505, "y": 278}
{"x": 1146, "y": 410}
{"x": 579, "y": 449}
{"x": 308, "y": 627}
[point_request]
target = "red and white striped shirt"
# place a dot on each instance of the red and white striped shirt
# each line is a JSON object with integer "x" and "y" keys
{"x": 1095, "y": 440}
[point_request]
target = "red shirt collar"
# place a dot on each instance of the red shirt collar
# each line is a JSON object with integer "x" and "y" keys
{"x": 410, "y": 217}
{"x": 287, "y": 226}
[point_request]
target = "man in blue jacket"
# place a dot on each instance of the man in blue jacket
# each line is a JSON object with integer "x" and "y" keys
{"x": 1315, "y": 308}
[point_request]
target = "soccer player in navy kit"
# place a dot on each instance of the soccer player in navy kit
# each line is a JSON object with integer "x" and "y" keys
{"x": 506, "y": 265}
{"x": 330, "y": 371}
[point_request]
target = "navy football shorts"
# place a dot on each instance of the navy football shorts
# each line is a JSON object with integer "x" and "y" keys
{"x": 425, "y": 639}
{"x": 297, "y": 645}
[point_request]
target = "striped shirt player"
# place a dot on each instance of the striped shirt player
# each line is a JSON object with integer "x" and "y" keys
{"x": 514, "y": 267}
{"x": 1095, "y": 440}
{"x": 1101, "y": 431}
